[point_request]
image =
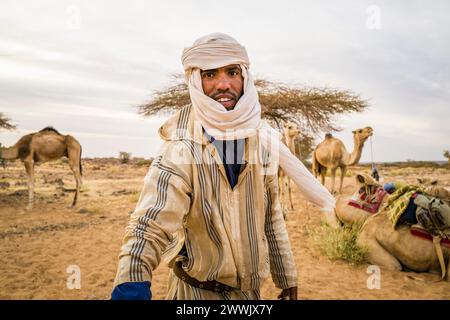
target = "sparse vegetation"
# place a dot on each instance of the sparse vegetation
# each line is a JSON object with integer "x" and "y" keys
{"x": 134, "y": 197}
{"x": 447, "y": 155}
{"x": 340, "y": 243}
{"x": 5, "y": 123}
{"x": 62, "y": 161}
{"x": 413, "y": 164}
{"x": 141, "y": 162}
{"x": 113, "y": 170}
{"x": 58, "y": 231}
{"x": 124, "y": 157}
{"x": 314, "y": 110}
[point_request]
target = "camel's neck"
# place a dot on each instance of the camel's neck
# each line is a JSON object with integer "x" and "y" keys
{"x": 353, "y": 158}
{"x": 10, "y": 153}
{"x": 290, "y": 143}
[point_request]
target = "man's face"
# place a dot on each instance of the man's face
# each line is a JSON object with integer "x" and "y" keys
{"x": 225, "y": 85}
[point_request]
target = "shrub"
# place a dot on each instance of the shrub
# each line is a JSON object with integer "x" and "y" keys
{"x": 124, "y": 157}
{"x": 340, "y": 243}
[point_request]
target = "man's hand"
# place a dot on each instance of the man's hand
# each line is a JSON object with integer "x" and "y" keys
{"x": 288, "y": 294}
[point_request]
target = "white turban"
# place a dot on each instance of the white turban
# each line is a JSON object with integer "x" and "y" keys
{"x": 211, "y": 52}
{"x": 218, "y": 50}
{"x": 214, "y": 51}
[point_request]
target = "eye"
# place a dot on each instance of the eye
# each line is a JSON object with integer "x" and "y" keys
{"x": 233, "y": 72}
{"x": 208, "y": 74}
{"x": 359, "y": 131}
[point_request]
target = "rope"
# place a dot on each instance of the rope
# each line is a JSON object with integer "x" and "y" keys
{"x": 375, "y": 174}
{"x": 371, "y": 150}
{"x": 2, "y": 161}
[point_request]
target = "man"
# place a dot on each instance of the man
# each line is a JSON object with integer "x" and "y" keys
{"x": 209, "y": 206}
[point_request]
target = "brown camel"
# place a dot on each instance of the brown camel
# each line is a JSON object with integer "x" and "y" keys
{"x": 332, "y": 154}
{"x": 45, "y": 145}
{"x": 392, "y": 248}
{"x": 291, "y": 131}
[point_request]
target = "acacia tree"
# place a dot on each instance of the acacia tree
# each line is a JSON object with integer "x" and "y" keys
{"x": 5, "y": 122}
{"x": 447, "y": 155}
{"x": 314, "y": 110}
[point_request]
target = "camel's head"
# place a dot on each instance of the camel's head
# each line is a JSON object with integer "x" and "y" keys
{"x": 425, "y": 182}
{"x": 291, "y": 129}
{"x": 362, "y": 134}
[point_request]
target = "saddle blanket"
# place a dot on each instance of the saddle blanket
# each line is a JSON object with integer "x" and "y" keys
{"x": 421, "y": 233}
{"x": 368, "y": 202}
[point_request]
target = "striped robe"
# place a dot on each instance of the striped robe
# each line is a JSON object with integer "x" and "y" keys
{"x": 234, "y": 236}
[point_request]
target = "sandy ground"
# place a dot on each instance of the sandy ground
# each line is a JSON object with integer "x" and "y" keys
{"x": 41, "y": 248}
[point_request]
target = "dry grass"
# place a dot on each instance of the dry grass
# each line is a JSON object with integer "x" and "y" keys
{"x": 37, "y": 246}
{"x": 340, "y": 243}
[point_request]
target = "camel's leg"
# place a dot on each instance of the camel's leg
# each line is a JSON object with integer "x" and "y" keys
{"x": 333, "y": 179}
{"x": 322, "y": 176}
{"x": 74, "y": 163}
{"x": 448, "y": 270}
{"x": 315, "y": 166}
{"x": 376, "y": 254}
{"x": 343, "y": 171}
{"x": 280, "y": 187}
{"x": 281, "y": 193}
{"x": 29, "y": 168}
{"x": 288, "y": 181}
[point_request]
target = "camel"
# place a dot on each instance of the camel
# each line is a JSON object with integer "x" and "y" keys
{"x": 291, "y": 131}
{"x": 392, "y": 248}
{"x": 332, "y": 154}
{"x": 43, "y": 146}
{"x": 389, "y": 248}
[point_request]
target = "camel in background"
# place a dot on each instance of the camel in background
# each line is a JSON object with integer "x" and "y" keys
{"x": 291, "y": 131}
{"x": 332, "y": 154}
{"x": 45, "y": 145}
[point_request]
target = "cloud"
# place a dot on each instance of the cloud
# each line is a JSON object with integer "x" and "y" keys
{"x": 87, "y": 79}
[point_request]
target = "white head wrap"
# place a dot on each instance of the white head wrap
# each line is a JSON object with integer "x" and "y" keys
{"x": 217, "y": 50}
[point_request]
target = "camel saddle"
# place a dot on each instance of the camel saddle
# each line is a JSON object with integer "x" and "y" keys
{"x": 433, "y": 216}
{"x": 370, "y": 194}
{"x": 418, "y": 231}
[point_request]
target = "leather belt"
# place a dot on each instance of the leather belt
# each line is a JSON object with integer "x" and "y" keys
{"x": 206, "y": 285}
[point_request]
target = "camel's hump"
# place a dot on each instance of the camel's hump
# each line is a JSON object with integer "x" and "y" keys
{"x": 50, "y": 129}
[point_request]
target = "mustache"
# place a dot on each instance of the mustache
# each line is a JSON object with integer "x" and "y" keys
{"x": 230, "y": 95}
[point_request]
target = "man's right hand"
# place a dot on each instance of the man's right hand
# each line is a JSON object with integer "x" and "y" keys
{"x": 288, "y": 294}
{"x": 132, "y": 291}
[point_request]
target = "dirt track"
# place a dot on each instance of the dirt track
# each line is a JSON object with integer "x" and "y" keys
{"x": 38, "y": 246}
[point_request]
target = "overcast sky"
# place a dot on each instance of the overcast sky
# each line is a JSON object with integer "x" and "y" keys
{"x": 81, "y": 66}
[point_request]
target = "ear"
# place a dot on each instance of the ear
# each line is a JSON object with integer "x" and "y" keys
{"x": 360, "y": 178}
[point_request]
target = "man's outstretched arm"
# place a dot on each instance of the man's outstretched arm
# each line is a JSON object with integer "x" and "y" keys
{"x": 164, "y": 200}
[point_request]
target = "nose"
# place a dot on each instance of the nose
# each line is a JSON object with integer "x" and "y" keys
{"x": 223, "y": 83}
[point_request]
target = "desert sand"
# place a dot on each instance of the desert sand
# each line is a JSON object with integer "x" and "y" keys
{"x": 39, "y": 247}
